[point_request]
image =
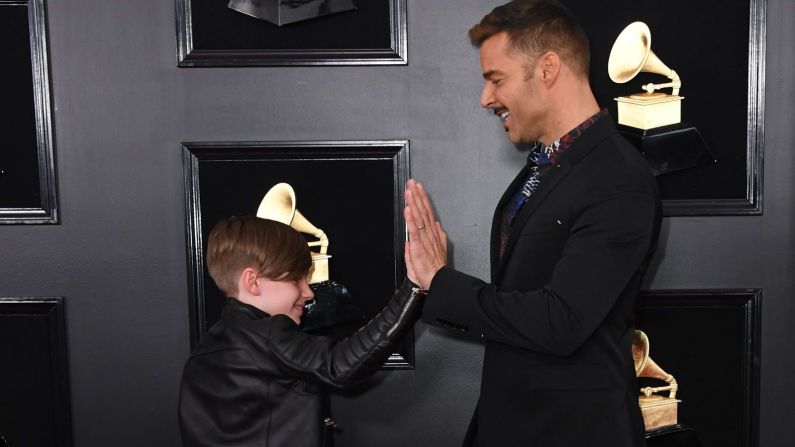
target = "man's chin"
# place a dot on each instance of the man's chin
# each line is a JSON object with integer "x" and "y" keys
{"x": 514, "y": 139}
{"x": 519, "y": 139}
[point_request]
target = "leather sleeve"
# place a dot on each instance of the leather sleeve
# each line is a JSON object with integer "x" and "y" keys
{"x": 321, "y": 359}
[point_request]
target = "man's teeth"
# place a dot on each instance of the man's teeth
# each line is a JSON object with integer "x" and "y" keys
{"x": 504, "y": 115}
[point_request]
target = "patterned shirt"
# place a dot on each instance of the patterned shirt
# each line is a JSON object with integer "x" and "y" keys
{"x": 540, "y": 159}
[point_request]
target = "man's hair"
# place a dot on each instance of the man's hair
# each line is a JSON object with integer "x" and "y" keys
{"x": 535, "y": 27}
{"x": 274, "y": 249}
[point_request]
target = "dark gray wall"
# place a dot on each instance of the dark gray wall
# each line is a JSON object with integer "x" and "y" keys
{"x": 118, "y": 257}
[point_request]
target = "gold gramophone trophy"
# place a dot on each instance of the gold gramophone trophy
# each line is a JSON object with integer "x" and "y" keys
{"x": 658, "y": 411}
{"x": 652, "y": 119}
{"x": 332, "y": 305}
{"x": 282, "y": 12}
{"x": 279, "y": 205}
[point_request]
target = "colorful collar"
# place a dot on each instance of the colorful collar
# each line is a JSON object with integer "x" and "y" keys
{"x": 541, "y": 155}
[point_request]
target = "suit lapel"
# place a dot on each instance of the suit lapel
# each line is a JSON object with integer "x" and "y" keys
{"x": 496, "y": 223}
{"x": 584, "y": 144}
{"x": 549, "y": 181}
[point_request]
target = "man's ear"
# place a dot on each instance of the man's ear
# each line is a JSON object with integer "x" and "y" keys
{"x": 250, "y": 281}
{"x": 549, "y": 66}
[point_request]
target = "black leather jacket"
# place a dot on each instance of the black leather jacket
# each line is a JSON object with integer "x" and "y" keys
{"x": 255, "y": 379}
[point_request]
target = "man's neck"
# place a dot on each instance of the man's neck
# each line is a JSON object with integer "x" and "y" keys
{"x": 571, "y": 107}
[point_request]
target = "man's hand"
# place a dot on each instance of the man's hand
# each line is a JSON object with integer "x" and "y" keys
{"x": 426, "y": 249}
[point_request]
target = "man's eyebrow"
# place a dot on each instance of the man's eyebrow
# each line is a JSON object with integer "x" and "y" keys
{"x": 489, "y": 74}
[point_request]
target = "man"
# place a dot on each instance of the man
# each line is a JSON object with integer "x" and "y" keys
{"x": 570, "y": 242}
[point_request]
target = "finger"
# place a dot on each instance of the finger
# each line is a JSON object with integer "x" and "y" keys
{"x": 411, "y": 226}
{"x": 425, "y": 241}
{"x": 412, "y": 200}
{"x": 425, "y": 211}
{"x": 424, "y": 203}
{"x": 418, "y": 220}
{"x": 409, "y": 198}
{"x": 415, "y": 235}
{"x": 425, "y": 200}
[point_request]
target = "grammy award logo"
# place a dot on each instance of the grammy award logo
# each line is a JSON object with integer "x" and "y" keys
{"x": 652, "y": 119}
{"x": 657, "y": 410}
{"x": 282, "y": 12}
{"x": 279, "y": 205}
{"x": 332, "y": 305}
{"x": 630, "y": 55}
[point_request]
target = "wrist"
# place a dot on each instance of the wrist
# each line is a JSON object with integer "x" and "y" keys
{"x": 428, "y": 280}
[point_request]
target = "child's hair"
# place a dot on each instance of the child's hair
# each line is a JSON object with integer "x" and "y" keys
{"x": 276, "y": 250}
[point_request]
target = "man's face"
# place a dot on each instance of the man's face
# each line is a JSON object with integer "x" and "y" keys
{"x": 510, "y": 91}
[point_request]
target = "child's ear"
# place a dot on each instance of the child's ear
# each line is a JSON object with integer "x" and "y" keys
{"x": 250, "y": 281}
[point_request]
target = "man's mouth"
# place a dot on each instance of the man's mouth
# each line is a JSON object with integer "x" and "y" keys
{"x": 504, "y": 115}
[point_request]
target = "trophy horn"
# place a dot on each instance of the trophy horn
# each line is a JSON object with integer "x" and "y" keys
{"x": 646, "y": 367}
{"x": 279, "y": 204}
{"x": 632, "y": 54}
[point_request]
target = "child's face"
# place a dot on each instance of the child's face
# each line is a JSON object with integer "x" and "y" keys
{"x": 285, "y": 297}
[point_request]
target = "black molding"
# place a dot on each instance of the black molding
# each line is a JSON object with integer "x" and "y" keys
{"x": 723, "y": 83}
{"x": 46, "y": 211}
{"x": 38, "y": 428}
{"x": 752, "y": 203}
{"x": 189, "y": 56}
{"x": 198, "y": 156}
{"x": 736, "y": 336}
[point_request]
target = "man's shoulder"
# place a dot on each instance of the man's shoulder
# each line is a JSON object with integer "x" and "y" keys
{"x": 603, "y": 143}
{"x": 613, "y": 167}
{"x": 614, "y": 155}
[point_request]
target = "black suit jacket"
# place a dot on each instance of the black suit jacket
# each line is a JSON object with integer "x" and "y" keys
{"x": 557, "y": 317}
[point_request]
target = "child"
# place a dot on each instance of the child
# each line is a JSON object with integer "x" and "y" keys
{"x": 255, "y": 378}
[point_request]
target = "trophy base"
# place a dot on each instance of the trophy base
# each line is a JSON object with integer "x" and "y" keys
{"x": 281, "y": 12}
{"x": 671, "y": 148}
{"x": 332, "y": 306}
{"x": 649, "y": 110}
{"x": 658, "y": 411}
{"x": 673, "y": 436}
{"x": 319, "y": 271}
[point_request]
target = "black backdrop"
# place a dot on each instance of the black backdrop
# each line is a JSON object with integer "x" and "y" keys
{"x": 19, "y": 168}
{"x": 707, "y": 43}
{"x": 216, "y": 27}
{"x": 350, "y": 190}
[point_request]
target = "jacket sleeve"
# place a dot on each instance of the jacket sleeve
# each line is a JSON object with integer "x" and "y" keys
{"x": 608, "y": 241}
{"x": 324, "y": 360}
